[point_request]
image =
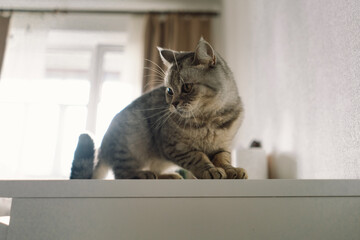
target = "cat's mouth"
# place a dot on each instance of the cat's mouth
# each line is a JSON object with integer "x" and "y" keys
{"x": 184, "y": 112}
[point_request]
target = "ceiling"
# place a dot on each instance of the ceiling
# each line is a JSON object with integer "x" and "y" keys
{"x": 113, "y": 5}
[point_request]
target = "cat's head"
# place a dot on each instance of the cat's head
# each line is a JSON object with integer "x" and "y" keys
{"x": 197, "y": 82}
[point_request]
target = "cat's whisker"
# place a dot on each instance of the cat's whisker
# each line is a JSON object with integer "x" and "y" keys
{"x": 191, "y": 110}
{"x": 184, "y": 122}
{"x": 154, "y": 75}
{"x": 156, "y": 114}
{"x": 160, "y": 71}
{"x": 158, "y": 111}
{"x": 162, "y": 120}
{"x": 178, "y": 69}
{"x": 150, "y": 109}
{"x": 156, "y": 123}
{"x": 156, "y": 82}
{"x": 151, "y": 70}
{"x": 156, "y": 65}
{"x": 177, "y": 65}
{"x": 169, "y": 115}
{"x": 196, "y": 121}
{"x": 155, "y": 71}
{"x": 155, "y": 79}
{"x": 191, "y": 131}
{"x": 182, "y": 80}
{"x": 191, "y": 122}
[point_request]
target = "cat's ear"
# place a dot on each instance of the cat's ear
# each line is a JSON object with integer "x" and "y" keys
{"x": 167, "y": 56}
{"x": 204, "y": 54}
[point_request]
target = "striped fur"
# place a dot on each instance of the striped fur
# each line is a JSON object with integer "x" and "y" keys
{"x": 190, "y": 122}
{"x": 82, "y": 166}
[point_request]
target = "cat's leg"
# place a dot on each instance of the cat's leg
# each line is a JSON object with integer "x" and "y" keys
{"x": 163, "y": 169}
{"x": 223, "y": 160}
{"x": 131, "y": 169}
{"x": 142, "y": 175}
{"x": 199, "y": 164}
{"x": 134, "y": 174}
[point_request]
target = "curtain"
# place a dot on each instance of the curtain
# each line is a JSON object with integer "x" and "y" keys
{"x": 176, "y": 31}
{"x": 4, "y": 27}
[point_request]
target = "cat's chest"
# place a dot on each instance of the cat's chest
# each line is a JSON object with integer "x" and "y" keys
{"x": 206, "y": 135}
{"x": 207, "y": 139}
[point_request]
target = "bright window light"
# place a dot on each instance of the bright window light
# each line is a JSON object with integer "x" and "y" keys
{"x": 5, "y": 220}
{"x": 54, "y": 66}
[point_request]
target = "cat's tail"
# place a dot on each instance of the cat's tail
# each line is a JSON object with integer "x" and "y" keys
{"x": 83, "y": 163}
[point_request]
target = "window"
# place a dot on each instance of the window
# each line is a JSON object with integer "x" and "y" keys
{"x": 63, "y": 74}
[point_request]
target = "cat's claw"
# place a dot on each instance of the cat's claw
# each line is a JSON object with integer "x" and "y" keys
{"x": 236, "y": 173}
{"x": 214, "y": 173}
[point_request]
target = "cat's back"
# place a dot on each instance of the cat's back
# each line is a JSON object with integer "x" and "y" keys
{"x": 130, "y": 127}
{"x": 140, "y": 109}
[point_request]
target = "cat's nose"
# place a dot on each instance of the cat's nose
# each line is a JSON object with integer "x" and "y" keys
{"x": 175, "y": 103}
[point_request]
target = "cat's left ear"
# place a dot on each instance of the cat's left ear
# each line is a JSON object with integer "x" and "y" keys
{"x": 167, "y": 56}
{"x": 204, "y": 54}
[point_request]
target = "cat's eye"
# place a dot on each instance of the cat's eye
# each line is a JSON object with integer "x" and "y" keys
{"x": 169, "y": 91}
{"x": 187, "y": 87}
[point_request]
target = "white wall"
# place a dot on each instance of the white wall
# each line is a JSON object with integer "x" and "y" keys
{"x": 297, "y": 64}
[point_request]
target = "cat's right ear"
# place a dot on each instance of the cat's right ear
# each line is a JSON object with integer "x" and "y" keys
{"x": 204, "y": 54}
{"x": 167, "y": 56}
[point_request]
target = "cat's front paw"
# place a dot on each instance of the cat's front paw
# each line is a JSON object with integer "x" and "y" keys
{"x": 214, "y": 173}
{"x": 144, "y": 175}
{"x": 170, "y": 176}
{"x": 236, "y": 173}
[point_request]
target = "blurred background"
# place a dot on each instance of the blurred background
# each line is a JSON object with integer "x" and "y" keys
{"x": 69, "y": 66}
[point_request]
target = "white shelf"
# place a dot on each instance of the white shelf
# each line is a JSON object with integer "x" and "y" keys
{"x": 183, "y": 209}
{"x": 179, "y": 188}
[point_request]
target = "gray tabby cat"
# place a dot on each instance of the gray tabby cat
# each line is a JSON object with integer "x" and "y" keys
{"x": 190, "y": 122}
